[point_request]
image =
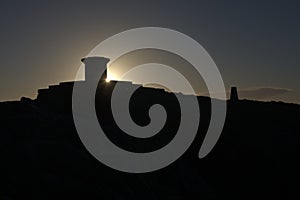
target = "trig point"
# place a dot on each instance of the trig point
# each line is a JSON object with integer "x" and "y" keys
{"x": 234, "y": 94}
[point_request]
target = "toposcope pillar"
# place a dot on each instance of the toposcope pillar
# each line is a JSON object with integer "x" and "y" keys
{"x": 93, "y": 65}
{"x": 234, "y": 94}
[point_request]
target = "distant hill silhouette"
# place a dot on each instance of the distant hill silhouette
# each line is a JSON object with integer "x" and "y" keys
{"x": 42, "y": 157}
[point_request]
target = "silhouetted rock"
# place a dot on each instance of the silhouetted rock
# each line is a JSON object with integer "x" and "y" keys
{"x": 42, "y": 156}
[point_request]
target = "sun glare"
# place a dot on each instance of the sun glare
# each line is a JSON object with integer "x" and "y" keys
{"x": 107, "y": 80}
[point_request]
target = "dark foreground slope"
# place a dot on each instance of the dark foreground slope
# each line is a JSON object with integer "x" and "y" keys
{"x": 257, "y": 156}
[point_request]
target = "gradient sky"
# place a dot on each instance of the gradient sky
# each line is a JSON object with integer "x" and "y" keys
{"x": 255, "y": 44}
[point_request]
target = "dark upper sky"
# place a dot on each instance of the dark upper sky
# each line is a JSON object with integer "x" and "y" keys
{"x": 255, "y": 44}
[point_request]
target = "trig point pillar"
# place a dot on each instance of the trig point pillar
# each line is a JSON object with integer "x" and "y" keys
{"x": 234, "y": 94}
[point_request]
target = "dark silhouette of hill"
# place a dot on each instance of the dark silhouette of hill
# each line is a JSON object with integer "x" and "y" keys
{"x": 42, "y": 156}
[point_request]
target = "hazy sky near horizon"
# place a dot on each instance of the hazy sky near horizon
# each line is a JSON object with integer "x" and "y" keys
{"x": 255, "y": 44}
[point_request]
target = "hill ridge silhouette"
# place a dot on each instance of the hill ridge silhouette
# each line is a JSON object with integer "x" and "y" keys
{"x": 42, "y": 155}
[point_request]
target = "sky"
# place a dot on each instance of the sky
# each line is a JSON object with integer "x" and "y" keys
{"x": 255, "y": 44}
